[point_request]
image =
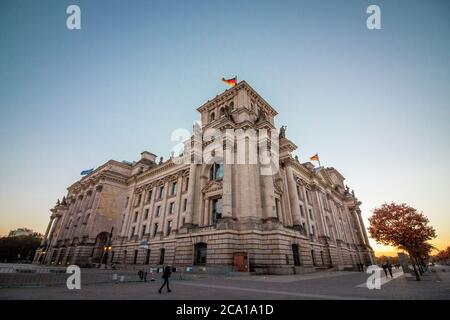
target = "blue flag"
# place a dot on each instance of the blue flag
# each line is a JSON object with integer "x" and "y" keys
{"x": 86, "y": 172}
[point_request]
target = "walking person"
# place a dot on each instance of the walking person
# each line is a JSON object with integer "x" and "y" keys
{"x": 384, "y": 266}
{"x": 166, "y": 276}
{"x": 389, "y": 267}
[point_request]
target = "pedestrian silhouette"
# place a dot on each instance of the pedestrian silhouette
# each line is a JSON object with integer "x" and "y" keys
{"x": 166, "y": 276}
{"x": 389, "y": 267}
{"x": 384, "y": 266}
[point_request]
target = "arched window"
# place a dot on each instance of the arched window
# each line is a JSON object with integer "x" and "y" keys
{"x": 216, "y": 171}
{"x": 212, "y": 116}
{"x": 222, "y": 111}
{"x": 200, "y": 251}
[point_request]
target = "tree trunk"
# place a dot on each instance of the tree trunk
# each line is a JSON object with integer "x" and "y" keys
{"x": 419, "y": 265}
{"x": 413, "y": 262}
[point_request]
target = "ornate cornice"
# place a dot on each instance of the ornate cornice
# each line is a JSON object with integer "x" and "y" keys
{"x": 212, "y": 185}
{"x": 231, "y": 93}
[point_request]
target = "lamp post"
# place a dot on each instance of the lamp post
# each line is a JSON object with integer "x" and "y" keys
{"x": 107, "y": 249}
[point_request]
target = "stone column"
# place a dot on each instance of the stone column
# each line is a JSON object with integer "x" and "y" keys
{"x": 164, "y": 206}
{"x": 361, "y": 223}
{"x": 227, "y": 187}
{"x": 293, "y": 196}
{"x": 95, "y": 202}
{"x": 48, "y": 230}
{"x": 152, "y": 210}
{"x": 178, "y": 203}
{"x": 360, "y": 226}
{"x": 191, "y": 193}
{"x": 351, "y": 226}
{"x": 206, "y": 216}
{"x": 268, "y": 199}
{"x": 318, "y": 212}
{"x": 227, "y": 183}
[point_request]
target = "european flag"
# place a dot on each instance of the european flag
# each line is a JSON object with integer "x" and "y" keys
{"x": 86, "y": 172}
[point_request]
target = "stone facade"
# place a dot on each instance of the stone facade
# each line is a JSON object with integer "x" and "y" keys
{"x": 222, "y": 215}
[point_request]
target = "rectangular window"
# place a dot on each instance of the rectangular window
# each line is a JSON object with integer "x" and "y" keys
{"x": 147, "y": 257}
{"x": 171, "y": 207}
{"x": 184, "y": 204}
{"x": 325, "y": 201}
{"x": 143, "y": 230}
{"x": 298, "y": 192}
{"x": 277, "y": 207}
{"x": 138, "y": 200}
{"x": 310, "y": 214}
{"x": 301, "y": 211}
{"x": 216, "y": 171}
{"x": 308, "y": 196}
{"x": 186, "y": 185}
{"x": 135, "y": 216}
{"x": 146, "y": 214}
{"x": 133, "y": 229}
{"x": 169, "y": 227}
{"x": 296, "y": 255}
{"x": 216, "y": 210}
{"x": 149, "y": 196}
{"x": 161, "y": 256}
{"x": 158, "y": 211}
{"x": 161, "y": 192}
{"x": 313, "y": 230}
{"x": 174, "y": 188}
{"x": 155, "y": 229}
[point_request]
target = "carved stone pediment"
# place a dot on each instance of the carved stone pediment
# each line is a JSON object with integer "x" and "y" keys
{"x": 212, "y": 185}
{"x": 277, "y": 185}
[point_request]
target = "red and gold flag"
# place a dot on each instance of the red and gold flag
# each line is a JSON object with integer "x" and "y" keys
{"x": 232, "y": 82}
{"x": 315, "y": 157}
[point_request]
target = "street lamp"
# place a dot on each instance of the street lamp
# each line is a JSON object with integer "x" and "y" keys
{"x": 107, "y": 249}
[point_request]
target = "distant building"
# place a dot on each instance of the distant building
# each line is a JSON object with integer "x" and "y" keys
{"x": 20, "y": 232}
{"x": 297, "y": 219}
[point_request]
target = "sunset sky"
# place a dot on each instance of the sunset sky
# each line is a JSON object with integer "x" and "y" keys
{"x": 375, "y": 104}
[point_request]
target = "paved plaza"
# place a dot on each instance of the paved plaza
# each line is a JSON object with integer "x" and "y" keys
{"x": 321, "y": 285}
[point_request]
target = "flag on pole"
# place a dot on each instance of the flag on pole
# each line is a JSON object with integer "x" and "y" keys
{"x": 86, "y": 172}
{"x": 232, "y": 82}
{"x": 315, "y": 158}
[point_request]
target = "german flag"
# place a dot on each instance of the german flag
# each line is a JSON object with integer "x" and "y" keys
{"x": 315, "y": 157}
{"x": 232, "y": 82}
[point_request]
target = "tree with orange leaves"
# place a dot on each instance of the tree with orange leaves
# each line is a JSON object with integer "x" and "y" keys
{"x": 404, "y": 228}
{"x": 443, "y": 256}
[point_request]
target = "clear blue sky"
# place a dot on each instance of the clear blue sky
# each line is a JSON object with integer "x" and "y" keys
{"x": 374, "y": 104}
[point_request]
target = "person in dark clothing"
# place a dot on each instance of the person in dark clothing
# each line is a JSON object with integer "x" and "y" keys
{"x": 166, "y": 276}
{"x": 389, "y": 267}
{"x": 384, "y": 266}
